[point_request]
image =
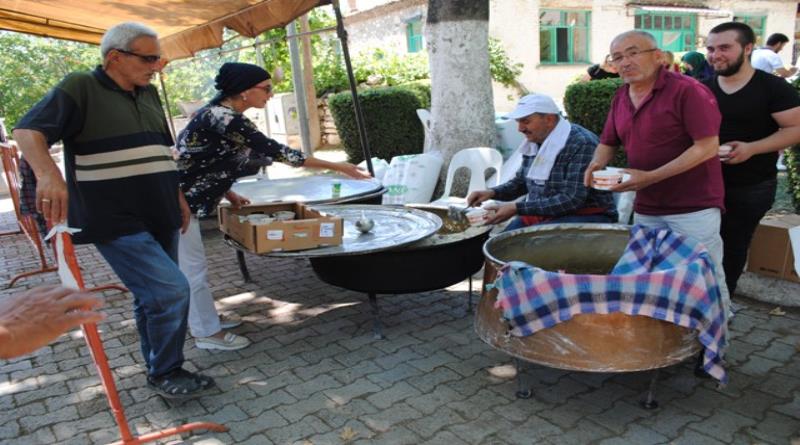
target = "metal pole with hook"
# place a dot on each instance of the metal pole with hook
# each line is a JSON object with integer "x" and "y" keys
{"x": 362, "y": 130}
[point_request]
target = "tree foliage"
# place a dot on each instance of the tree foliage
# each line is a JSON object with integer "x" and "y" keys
{"x": 390, "y": 118}
{"x": 193, "y": 79}
{"x": 30, "y": 66}
{"x": 588, "y": 103}
{"x": 503, "y": 69}
{"x": 792, "y": 161}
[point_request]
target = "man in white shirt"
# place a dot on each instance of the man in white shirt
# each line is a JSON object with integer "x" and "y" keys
{"x": 767, "y": 59}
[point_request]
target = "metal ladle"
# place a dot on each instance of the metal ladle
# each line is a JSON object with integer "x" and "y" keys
{"x": 458, "y": 213}
{"x": 364, "y": 224}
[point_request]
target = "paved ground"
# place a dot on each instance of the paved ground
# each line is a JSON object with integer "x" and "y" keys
{"x": 316, "y": 376}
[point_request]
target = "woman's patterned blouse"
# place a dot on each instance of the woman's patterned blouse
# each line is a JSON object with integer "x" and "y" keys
{"x": 218, "y": 146}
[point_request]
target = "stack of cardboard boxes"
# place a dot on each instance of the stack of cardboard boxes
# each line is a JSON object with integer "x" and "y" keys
{"x": 771, "y": 250}
{"x": 309, "y": 229}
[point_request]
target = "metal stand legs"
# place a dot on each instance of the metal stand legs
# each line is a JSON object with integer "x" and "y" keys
{"x": 699, "y": 371}
{"x": 377, "y": 327}
{"x": 523, "y": 391}
{"x": 650, "y": 401}
{"x": 469, "y": 296}
{"x": 243, "y": 267}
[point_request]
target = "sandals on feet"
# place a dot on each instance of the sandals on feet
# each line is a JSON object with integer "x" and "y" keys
{"x": 180, "y": 383}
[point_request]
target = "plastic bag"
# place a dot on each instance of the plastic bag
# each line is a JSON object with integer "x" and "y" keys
{"x": 412, "y": 178}
{"x": 379, "y": 165}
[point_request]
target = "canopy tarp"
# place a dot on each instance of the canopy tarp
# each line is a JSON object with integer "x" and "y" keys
{"x": 184, "y": 26}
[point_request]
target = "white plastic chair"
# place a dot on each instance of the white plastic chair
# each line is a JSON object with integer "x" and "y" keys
{"x": 508, "y": 136}
{"x": 426, "y": 119}
{"x": 477, "y": 160}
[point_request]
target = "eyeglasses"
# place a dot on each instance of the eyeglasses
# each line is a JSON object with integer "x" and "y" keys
{"x": 630, "y": 54}
{"x": 267, "y": 89}
{"x": 142, "y": 57}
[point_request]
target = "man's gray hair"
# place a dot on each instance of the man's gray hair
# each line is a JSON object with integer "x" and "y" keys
{"x": 635, "y": 33}
{"x": 121, "y": 36}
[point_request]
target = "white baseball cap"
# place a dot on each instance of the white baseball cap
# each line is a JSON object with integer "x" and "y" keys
{"x": 533, "y": 103}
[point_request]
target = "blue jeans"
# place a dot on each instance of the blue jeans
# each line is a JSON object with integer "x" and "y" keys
{"x": 148, "y": 265}
{"x": 517, "y": 223}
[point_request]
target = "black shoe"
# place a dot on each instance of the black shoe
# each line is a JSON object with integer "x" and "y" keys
{"x": 699, "y": 371}
{"x": 180, "y": 383}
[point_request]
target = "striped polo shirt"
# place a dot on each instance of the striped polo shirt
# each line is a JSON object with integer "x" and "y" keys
{"x": 120, "y": 173}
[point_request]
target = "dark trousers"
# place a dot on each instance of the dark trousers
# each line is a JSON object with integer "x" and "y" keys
{"x": 744, "y": 208}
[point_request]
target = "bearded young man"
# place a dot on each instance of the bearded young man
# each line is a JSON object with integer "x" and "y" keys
{"x": 760, "y": 116}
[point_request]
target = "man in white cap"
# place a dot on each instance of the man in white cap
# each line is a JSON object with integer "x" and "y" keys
{"x": 555, "y": 155}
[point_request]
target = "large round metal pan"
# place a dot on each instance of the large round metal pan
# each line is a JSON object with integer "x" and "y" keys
{"x": 588, "y": 342}
{"x": 316, "y": 189}
{"x": 448, "y": 257}
{"x": 394, "y": 227}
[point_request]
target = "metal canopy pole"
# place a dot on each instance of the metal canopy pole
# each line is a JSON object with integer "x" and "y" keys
{"x": 166, "y": 103}
{"x": 299, "y": 89}
{"x": 362, "y": 129}
{"x": 262, "y": 64}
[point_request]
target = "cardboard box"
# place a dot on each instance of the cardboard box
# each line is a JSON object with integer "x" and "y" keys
{"x": 771, "y": 251}
{"x": 309, "y": 229}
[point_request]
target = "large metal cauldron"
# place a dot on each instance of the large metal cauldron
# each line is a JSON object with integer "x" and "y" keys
{"x": 443, "y": 259}
{"x": 588, "y": 342}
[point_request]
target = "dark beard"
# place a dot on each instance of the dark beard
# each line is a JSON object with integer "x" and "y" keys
{"x": 732, "y": 68}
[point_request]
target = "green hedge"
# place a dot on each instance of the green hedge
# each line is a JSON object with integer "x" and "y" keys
{"x": 588, "y": 103}
{"x": 393, "y": 127}
{"x": 792, "y": 161}
{"x": 421, "y": 89}
{"x": 791, "y": 158}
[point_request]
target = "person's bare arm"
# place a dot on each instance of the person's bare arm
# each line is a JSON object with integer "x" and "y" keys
{"x": 236, "y": 200}
{"x": 477, "y": 197}
{"x": 701, "y": 151}
{"x": 783, "y": 72}
{"x": 502, "y": 213}
{"x": 186, "y": 212}
{"x": 32, "y": 319}
{"x": 787, "y": 136}
{"x": 51, "y": 189}
{"x": 341, "y": 167}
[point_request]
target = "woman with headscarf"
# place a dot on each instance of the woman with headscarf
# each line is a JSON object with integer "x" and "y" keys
{"x": 697, "y": 66}
{"x": 218, "y": 146}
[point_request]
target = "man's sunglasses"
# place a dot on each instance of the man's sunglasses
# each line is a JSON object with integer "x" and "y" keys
{"x": 142, "y": 57}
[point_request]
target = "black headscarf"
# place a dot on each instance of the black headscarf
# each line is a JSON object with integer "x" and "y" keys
{"x": 234, "y": 77}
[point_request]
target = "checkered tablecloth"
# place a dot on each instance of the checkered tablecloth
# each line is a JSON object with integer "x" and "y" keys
{"x": 661, "y": 274}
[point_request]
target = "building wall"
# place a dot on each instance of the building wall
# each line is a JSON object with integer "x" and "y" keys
{"x": 385, "y": 29}
{"x": 520, "y": 38}
{"x": 516, "y": 24}
{"x": 780, "y": 18}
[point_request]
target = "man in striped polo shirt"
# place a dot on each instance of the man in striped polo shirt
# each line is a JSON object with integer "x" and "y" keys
{"x": 121, "y": 189}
